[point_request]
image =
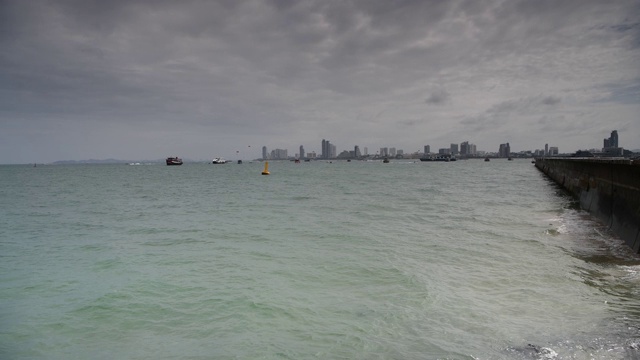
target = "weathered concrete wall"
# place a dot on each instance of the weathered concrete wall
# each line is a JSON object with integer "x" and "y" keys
{"x": 607, "y": 188}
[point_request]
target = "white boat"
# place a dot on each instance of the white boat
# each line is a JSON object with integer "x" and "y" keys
{"x": 219, "y": 161}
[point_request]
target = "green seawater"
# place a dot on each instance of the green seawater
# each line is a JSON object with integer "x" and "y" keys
{"x": 319, "y": 260}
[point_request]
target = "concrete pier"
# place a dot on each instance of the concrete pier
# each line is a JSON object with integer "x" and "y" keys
{"x": 607, "y": 188}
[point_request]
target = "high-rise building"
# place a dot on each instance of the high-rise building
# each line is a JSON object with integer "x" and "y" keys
{"x": 365, "y": 151}
{"x": 464, "y": 148}
{"x": 505, "y": 150}
{"x": 546, "y": 149}
{"x": 328, "y": 150}
{"x": 612, "y": 141}
{"x": 279, "y": 154}
{"x": 392, "y": 152}
{"x": 301, "y": 152}
{"x": 356, "y": 152}
{"x": 454, "y": 149}
{"x": 611, "y": 145}
{"x": 553, "y": 151}
{"x": 264, "y": 153}
{"x": 323, "y": 150}
{"x": 427, "y": 149}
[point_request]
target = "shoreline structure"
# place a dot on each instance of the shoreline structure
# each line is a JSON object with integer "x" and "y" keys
{"x": 607, "y": 188}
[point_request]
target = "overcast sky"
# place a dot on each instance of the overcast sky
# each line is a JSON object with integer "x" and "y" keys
{"x": 136, "y": 79}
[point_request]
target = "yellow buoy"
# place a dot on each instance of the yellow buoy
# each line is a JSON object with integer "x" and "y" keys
{"x": 266, "y": 168}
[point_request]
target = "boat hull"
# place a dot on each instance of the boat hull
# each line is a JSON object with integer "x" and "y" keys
{"x": 173, "y": 161}
{"x": 444, "y": 159}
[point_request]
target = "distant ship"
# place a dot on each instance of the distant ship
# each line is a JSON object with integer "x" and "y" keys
{"x": 219, "y": 161}
{"x": 444, "y": 157}
{"x": 174, "y": 161}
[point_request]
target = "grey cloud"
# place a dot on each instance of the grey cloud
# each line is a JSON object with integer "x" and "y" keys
{"x": 295, "y": 68}
{"x": 551, "y": 100}
{"x": 526, "y": 104}
{"x": 438, "y": 97}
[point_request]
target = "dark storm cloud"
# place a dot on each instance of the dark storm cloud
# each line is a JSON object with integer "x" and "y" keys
{"x": 287, "y": 71}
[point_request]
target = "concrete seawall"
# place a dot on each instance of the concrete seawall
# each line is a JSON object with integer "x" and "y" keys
{"x": 607, "y": 188}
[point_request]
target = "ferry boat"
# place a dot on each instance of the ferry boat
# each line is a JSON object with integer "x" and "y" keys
{"x": 439, "y": 158}
{"x": 219, "y": 161}
{"x": 174, "y": 161}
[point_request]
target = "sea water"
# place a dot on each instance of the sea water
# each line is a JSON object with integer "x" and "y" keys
{"x": 319, "y": 260}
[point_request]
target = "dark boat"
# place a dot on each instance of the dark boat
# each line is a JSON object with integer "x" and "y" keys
{"x": 444, "y": 157}
{"x": 486, "y": 159}
{"x": 386, "y": 160}
{"x": 239, "y": 161}
{"x": 174, "y": 161}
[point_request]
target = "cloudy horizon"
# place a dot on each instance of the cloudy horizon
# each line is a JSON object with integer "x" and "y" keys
{"x": 141, "y": 79}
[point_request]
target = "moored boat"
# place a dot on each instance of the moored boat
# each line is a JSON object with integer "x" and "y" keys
{"x": 174, "y": 161}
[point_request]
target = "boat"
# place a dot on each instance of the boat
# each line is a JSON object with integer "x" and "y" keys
{"x": 386, "y": 160}
{"x": 239, "y": 161}
{"x": 486, "y": 159}
{"x": 266, "y": 168}
{"x": 219, "y": 161}
{"x": 510, "y": 159}
{"x": 174, "y": 161}
{"x": 297, "y": 161}
{"x": 444, "y": 157}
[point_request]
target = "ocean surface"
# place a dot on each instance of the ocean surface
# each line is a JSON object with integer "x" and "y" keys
{"x": 319, "y": 260}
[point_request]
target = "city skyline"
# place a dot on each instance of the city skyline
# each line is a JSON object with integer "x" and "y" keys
{"x": 465, "y": 148}
{"x": 142, "y": 79}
